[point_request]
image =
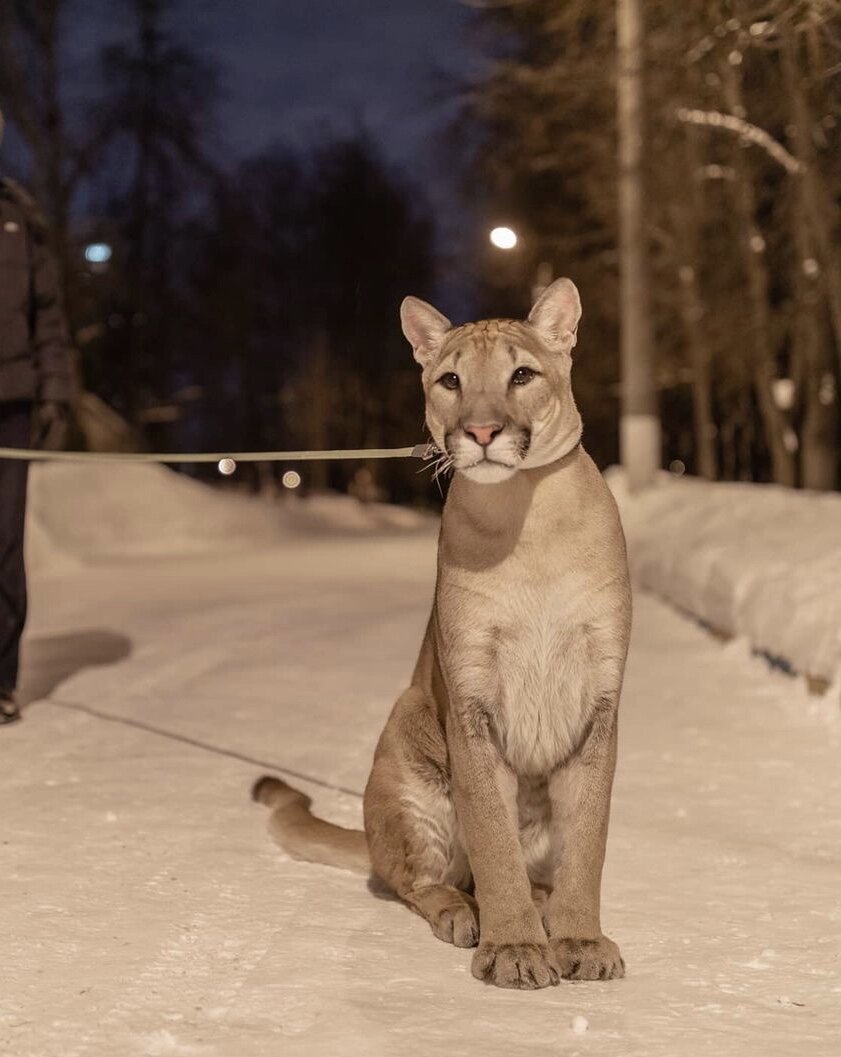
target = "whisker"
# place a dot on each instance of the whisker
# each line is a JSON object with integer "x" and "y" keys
{"x": 431, "y": 464}
{"x": 432, "y": 459}
{"x": 442, "y": 465}
{"x": 439, "y": 462}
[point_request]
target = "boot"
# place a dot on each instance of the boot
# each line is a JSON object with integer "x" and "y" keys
{"x": 9, "y": 711}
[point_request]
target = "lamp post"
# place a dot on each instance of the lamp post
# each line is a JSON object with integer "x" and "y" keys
{"x": 639, "y": 428}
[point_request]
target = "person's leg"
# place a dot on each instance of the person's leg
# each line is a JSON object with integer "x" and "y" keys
{"x": 15, "y": 426}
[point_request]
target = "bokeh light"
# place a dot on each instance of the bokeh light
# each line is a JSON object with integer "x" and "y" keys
{"x": 98, "y": 253}
{"x": 504, "y": 238}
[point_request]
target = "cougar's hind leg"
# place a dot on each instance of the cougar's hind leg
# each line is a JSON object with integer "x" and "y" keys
{"x": 452, "y": 914}
{"x": 421, "y": 858}
{"x": 411, "y": 825}
{"x": 438, "y": 873}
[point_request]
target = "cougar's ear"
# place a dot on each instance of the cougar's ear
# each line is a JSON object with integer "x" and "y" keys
{"x": 556, "y": 313}
{"x": 424, "y": 327}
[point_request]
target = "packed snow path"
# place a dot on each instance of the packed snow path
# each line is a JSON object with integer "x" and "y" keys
{"x": 144, "y": 909}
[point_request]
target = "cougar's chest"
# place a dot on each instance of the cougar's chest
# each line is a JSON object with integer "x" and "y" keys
{"x": 542, "y": 661}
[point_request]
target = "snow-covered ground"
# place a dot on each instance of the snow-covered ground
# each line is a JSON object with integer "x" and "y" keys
{"x": 145, "y": 911}
{"x": 758, "y": 561}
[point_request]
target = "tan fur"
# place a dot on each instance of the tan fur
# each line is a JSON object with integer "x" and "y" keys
{"x": 491, "y": 781}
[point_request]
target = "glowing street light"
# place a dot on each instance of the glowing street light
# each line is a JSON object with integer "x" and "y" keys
{"x": 98, "y": 253}
{"x": 503, "y": 238}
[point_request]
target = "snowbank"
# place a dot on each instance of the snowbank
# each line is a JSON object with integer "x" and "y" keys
{"x": 90, "y": 512}
{"x": 757, "y": 561}
{"x": 328, "y": 514}
{"x": 103, "y": 510}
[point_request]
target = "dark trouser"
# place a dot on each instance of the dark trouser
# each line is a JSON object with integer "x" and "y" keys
{"x": 15, "y": 426}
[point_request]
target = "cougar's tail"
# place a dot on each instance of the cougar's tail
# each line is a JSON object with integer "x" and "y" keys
{"x": 305, "y": 837}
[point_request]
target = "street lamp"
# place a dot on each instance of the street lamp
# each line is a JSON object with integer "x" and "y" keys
{"x": 98, "y": 253}
{"x": 504, "y": 238}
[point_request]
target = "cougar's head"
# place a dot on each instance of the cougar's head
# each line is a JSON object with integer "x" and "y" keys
{"x": 498, "y": 392}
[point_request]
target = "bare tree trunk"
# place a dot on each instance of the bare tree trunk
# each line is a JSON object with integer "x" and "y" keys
{"x": 729, "y": 457}
{"x": 687, "y": 212}
{"x": 746, "y": 438}
{"x": 818, "y": 206}
{"x": 819, "y": 430}
{"x": 752, "y": 246}
{"x": 31, "y": 93}
{"x": 704, "y": 428}
{"x": 316, "y": 399}
{"x": 815, "y": 362}
{"x": 640, "y": 424}
{"x": 815, "y": 366}
{"x": 49, "y": 173}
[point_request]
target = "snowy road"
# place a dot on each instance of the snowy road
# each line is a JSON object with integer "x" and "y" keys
{"x": 145, "y": 911}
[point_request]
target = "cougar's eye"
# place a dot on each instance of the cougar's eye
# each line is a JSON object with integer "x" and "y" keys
{"x": 522, "y": 376}
{"x": 450, "y": 380}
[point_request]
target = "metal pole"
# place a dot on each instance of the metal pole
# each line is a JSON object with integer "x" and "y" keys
{"x": 639, "y": 432}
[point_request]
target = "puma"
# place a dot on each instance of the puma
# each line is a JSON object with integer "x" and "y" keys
{"x": 487, "y": 806}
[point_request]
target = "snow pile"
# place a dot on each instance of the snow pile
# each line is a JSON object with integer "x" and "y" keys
{"x": 103, "y": 510}
{"x": 329, "y": 514}
{"x": 79, "y": 513}
{"x": 758, "y": 561}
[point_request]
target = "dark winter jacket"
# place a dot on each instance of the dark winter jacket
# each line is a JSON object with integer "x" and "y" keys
{"x": 35, "y": 355}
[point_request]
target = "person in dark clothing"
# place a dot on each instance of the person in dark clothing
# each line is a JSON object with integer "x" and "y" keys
{"x": 35, "y": 389}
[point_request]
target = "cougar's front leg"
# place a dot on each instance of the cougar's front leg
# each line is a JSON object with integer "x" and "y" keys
{"x": 580, "y": 798}
{"x": 513, "y": 949}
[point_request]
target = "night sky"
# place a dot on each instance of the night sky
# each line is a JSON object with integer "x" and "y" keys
{"x": 294, "y": 69}
{"x": 297, "y": 72}
{"x": 293, "y": 64}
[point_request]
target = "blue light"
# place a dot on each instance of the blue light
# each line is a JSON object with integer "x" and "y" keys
{"x": 98, "y": 253}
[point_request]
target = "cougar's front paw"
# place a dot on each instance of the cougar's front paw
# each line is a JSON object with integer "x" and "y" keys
{"x": 457, "y": 923}
{"x": 588, "y": 959}
{"x": 524, "y": 965}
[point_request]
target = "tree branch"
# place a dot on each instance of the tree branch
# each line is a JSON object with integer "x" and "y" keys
{"x": 739, "y": 127}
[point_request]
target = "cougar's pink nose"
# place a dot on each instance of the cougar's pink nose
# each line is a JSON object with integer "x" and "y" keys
{"x": 483, "y": 434}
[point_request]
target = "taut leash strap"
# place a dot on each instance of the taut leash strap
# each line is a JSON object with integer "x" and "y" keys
{"x": 419, "y": 451}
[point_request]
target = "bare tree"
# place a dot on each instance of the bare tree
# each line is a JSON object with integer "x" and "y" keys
{"x": 159, "y": 108}
{"x": 817, "y": 280}
{"x": 818, "y": 205}
{"x": 686, "y": 211}
{"x": 31, "y": 94}
{"x": 752, "y": 246}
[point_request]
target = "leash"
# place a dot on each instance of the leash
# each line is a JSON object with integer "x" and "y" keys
{"x": 218, "y": 750}
{"x": 419, "y": 451}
